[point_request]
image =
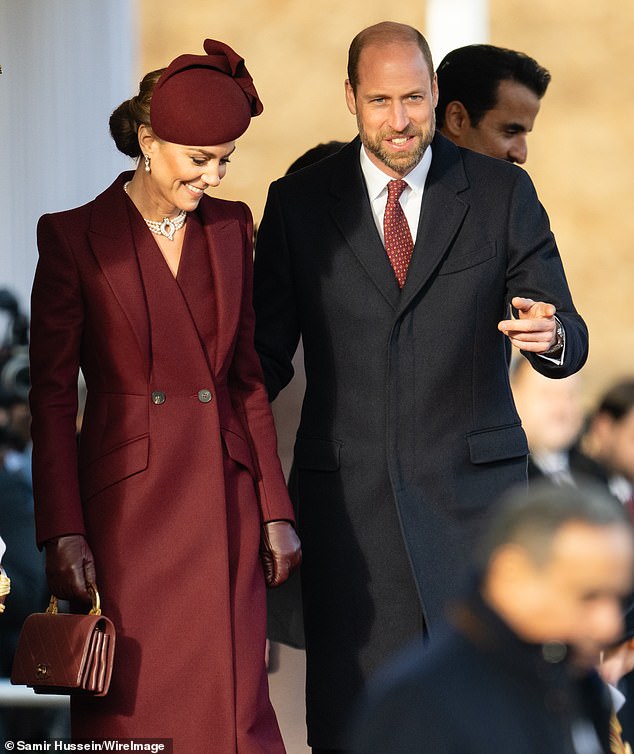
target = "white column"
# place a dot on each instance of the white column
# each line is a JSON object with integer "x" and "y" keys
{"x": 66, "y": 64}
{"x": 454, "y": 23}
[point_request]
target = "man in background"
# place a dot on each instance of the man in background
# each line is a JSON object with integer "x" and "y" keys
{"x": 489, "y": 98}
{"x": 608, "y": 441}
{"x": 552, "y": 417}
{"x": 517, "y": 671}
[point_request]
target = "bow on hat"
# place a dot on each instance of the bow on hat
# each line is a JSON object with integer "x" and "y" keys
{"x": 226, "y": 60}
{"x": 204, "y": 100}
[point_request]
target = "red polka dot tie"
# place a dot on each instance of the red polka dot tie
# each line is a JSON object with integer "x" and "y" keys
{"x": 398, "y": 239}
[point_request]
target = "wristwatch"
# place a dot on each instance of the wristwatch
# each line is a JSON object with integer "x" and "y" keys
{"x": 559, "y": 343}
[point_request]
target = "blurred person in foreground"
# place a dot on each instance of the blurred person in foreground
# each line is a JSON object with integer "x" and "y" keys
{"x": 409, "y": 267}
{"x": 175, "y": 504}
{"x": 517, "y": 672}
{"x": 489, "y": 98}
{"x": 605, "y": 451}
{"x": 616, "y": 662}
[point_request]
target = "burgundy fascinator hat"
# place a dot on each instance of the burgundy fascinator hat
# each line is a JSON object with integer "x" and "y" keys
{"x": 204, "y": 100}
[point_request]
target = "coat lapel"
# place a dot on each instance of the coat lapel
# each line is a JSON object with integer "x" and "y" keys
{"x": 112, "y": 243}
{"x": 442, "y": 214}
{"x": 225, "y": 243}
{"x": 352, "y": 214}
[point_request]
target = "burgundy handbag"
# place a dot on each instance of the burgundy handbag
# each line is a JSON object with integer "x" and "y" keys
{"x": 64, "y": 653}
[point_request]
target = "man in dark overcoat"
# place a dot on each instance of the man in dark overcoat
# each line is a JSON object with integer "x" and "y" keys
{"x": 408, "y": 428}
{"x": 516, "y": 671}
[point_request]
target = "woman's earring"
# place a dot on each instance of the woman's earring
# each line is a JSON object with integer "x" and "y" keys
{"x": 146, "y": 157}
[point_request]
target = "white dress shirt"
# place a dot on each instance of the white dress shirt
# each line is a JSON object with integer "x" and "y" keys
{"x": 411, "y": 199}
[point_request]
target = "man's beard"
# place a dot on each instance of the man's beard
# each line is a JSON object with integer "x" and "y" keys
{"x": 402, "y": 162}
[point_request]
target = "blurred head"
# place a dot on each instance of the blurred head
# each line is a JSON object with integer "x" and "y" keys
{"x": 315, "y": 154}
{"x": 184, "y": 123}
{"x": 558, "y": 563}
{"x": 20, "y": 421}
{"x": 610, "y": 436}
{"x": 391, "y": 89}
{"x": 489, "y": 98}
{"x": 551, "y": 410}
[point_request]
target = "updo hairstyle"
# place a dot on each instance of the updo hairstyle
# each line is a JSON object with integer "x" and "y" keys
{"x": 126, "y": 119}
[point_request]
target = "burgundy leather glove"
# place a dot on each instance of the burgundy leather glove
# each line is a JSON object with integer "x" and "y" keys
{"x": 280, "y": 550}
{"x": 69, "y": 565}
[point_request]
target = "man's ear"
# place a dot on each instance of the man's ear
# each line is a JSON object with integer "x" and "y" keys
{"x": 351, "y": 100}
{"x": 434, "y": 90}
{"x": 457, "y": 119}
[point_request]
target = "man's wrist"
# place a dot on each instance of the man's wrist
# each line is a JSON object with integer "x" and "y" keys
{"x": 557, "y": 348}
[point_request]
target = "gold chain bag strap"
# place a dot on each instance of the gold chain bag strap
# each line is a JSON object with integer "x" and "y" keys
{"x": 65, "y": 653}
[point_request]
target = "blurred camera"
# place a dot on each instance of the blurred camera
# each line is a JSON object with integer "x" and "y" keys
{"x": 15, "y": 378}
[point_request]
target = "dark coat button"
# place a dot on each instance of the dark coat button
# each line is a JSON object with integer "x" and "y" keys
{"x": 158, "y": 397}
{"x": 204, "y": 396}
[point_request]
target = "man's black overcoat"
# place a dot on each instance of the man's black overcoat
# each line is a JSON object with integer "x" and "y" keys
{"x": 408, "y": 430}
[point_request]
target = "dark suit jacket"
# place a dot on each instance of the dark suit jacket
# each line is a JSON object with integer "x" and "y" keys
{"x": 481, "y": 690}
{"x": 408, "y": 429}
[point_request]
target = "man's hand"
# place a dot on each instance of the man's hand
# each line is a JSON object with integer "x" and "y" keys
{"x": 280, "y": 551}
{"x": 536, "y": 328}
{"x": 69, "y": 567}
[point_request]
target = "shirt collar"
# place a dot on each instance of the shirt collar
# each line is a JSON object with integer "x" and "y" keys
{"x": 376, "y": 180}
{"x": 617, "y": 696}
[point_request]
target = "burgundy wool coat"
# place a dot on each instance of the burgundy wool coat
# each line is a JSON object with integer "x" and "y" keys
{"x": 176, "y": 467}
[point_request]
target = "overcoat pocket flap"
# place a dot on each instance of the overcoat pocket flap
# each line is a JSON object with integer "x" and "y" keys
{"x": 497, "y": 444}
{"x": 238, "y": 449}
{"x": 316, "y": 454}
{"x": 124, "y": 461}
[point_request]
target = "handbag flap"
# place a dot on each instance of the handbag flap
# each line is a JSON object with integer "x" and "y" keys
{"x": 59, "y": 652}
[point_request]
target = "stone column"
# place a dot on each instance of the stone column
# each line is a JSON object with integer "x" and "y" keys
{"x": 454, "y": 23}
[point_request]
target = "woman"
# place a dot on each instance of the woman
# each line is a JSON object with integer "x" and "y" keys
{"x": 176, "y": 485}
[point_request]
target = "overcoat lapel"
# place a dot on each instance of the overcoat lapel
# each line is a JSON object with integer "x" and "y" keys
{"x": 111, "y": 242}
{"x": 442, "y": 214}
{"x": 225, "y": 243}
{"x": 352, "y": 214}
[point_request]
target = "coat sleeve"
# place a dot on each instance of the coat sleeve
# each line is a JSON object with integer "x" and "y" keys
{"x": 250, "y": 400}
{"x": 535, "y": 270}
{"x": 57, "y": 316}
{"x": 277, "y": 321}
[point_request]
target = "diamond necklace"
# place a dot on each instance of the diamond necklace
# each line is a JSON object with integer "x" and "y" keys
{"x": 167, "y": 226}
